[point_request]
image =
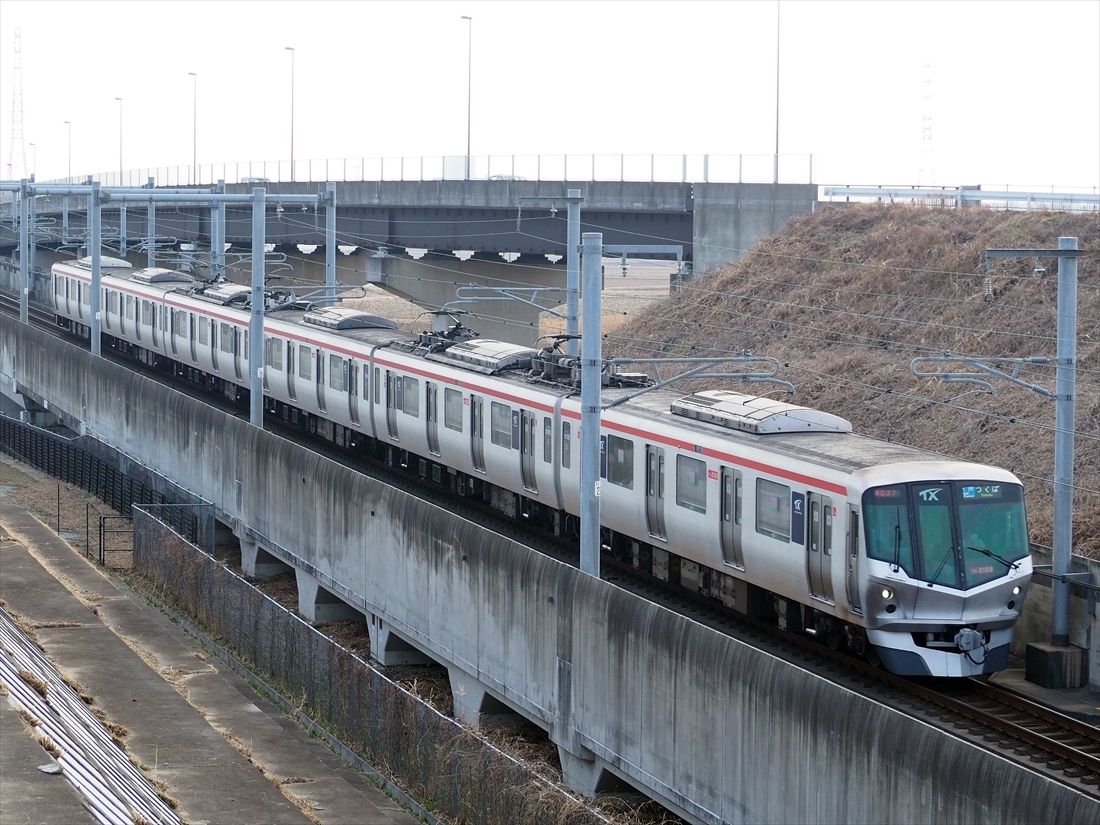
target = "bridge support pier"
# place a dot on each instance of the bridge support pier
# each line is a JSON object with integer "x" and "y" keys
{"x": 387, "y": 648}
{"x": 474, "y": 704}
{"x": 318, "y": 605}
{"x": 586, "y": 773}
{"x": 258, "y": 563}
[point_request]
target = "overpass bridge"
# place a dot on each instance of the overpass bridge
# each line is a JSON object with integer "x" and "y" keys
{"x": 422, "y": 239}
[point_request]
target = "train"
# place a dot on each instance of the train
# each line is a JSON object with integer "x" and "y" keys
{"x": 916, "y": 561}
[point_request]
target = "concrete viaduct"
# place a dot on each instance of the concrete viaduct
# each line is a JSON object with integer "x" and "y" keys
{"x": 404, "y": 236}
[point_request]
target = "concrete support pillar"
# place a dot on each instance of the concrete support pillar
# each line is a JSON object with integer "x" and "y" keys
{"x": 387, "y": 648}
{"x": 474, "y": 704}
{"x": 318, "y": 605}
{"x": 258, "y": 563}
{"x": 586, "y": 773}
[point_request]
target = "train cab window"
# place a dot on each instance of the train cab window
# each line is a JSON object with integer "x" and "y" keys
{"x": 886, "y": 518}
{"x": 337, "y": 373}
{"x": 273, "y": 357}
{"x": 304, "y": 362}
{"x": 452, "y": 409}
{"x": 547, "y": 440}
{"x": 410, "y": 401}
{"x": 773, "y": 509}
{"x": 691, "y": 483}
{"x": 566, "y": 443}
{"x": 501, "y": 425}
{"x": 620, "y": 461}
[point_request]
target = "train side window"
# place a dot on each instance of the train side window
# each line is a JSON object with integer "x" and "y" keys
{"x": 273, "y": 358}
{"x": 130, "y": 308}
{"x": 773, "y": 509}
{"x": 377, "y": 383}
{"x": 452, "y": 409}
{"x": 204, "y": 331}
{"x": 290, "y": 359}
{"x": 305, "y": 363}
{"x": 501, "y": 425}
{"x": 112, "y": 301}
{"x": 164, "y": 319}
{"x": 146, "y": 313}
{"x": 566, "y": 443}
{"x": 620, "y": 461}
{"x": 57, "y": 287}
{"x": 547, "y": 440}
{"x": 738, "y": 499}
{"x": 366, "y": 382}
{"x": 337, "y": 373}
{"x": 410, "y": 401}
{"x": 691, "y": 483}
{"x": 226, "y": 344}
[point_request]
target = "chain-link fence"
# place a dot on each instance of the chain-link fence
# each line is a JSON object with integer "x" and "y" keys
{"x": 445, "y": 766}
{"x": 99, "y": 532}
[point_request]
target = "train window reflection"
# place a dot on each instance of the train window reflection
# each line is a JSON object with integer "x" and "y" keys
{"x": 886, "y": 520}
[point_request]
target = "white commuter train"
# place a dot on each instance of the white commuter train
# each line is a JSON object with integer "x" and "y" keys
{"x": 917, "y": 560}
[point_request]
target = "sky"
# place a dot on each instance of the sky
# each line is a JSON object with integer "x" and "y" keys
{"x": 1007, "y": 92}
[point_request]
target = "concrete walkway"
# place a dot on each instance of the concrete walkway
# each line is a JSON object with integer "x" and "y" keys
{"x": 182, "y": 710}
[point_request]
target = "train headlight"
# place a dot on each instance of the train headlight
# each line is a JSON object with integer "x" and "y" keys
{"x": 1016, "y": 590}
{"x": 887, "y": 593}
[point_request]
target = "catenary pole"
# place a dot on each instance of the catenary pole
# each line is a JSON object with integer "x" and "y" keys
{"x": 1064, "y": 414}
{"x": 96, "y": 218}
{"x": 572, "y": 268}
{"x": 591, "y": 385}
{"x": 24, "y": 254}
{"x": 219, "y": 247}
{"x": 256, "y": 314}
{"x": 330, "y": 242}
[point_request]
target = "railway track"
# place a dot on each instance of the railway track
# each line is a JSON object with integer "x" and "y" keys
{"x": 981, "y": 713}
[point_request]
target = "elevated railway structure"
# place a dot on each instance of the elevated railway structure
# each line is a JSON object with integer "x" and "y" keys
{"x": 702, "y": 712}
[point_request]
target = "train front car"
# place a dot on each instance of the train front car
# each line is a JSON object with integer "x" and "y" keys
{"x": 947, "y": 566}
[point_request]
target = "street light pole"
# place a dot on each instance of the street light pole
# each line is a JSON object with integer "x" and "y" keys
{"x": 776, "y": 165}
{"x": 194, "y": 126}
{"x": 119, "y": 99}
{"x": 70, "y": 125}
{"x": 291, "y": 50}
{"x": 469, "y": 83}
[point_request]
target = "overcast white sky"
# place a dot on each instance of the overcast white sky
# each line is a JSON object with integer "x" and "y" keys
{"x": 1015, "y": 86}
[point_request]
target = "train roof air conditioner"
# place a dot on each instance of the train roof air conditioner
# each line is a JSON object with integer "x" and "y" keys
{"x": 754, "y": 414}
{"x": 341, "y": 318}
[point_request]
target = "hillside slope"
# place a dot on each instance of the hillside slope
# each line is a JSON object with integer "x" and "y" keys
{"x": 846, "y": 296}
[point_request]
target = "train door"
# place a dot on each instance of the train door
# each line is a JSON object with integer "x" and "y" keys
{"x": 854, "y": 601}
{"x": 319, "y": 378}
{"x": 819, "y": 546}
{"x": 477, "y": 435}
{"x": 527, "y": 449}
{"x": 353, "y": 391}
{"x": 239, "y": 347}
{"x": 431, "y": 416}
{"x": 291, "y": 369}
{"x": 393, "y": 390}
{"x": 730, "y": 515}
{"x": 214, "y": 342}
{"x": 655, "y": 491}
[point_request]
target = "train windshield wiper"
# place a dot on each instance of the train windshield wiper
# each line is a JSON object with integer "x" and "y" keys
{"x": 1011, "y": 565}
{"x": 950, "y": 552}
{"x": 897, "y": 542}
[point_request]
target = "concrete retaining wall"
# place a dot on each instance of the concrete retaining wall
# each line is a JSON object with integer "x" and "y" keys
{"x": 730, "y": 218}
{"x": 443, "y": 765}
{"x": 709, "y": 726}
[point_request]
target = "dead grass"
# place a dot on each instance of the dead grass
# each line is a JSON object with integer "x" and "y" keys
{"x": 846, "y": 296}
{"x": 38, "y": 685}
